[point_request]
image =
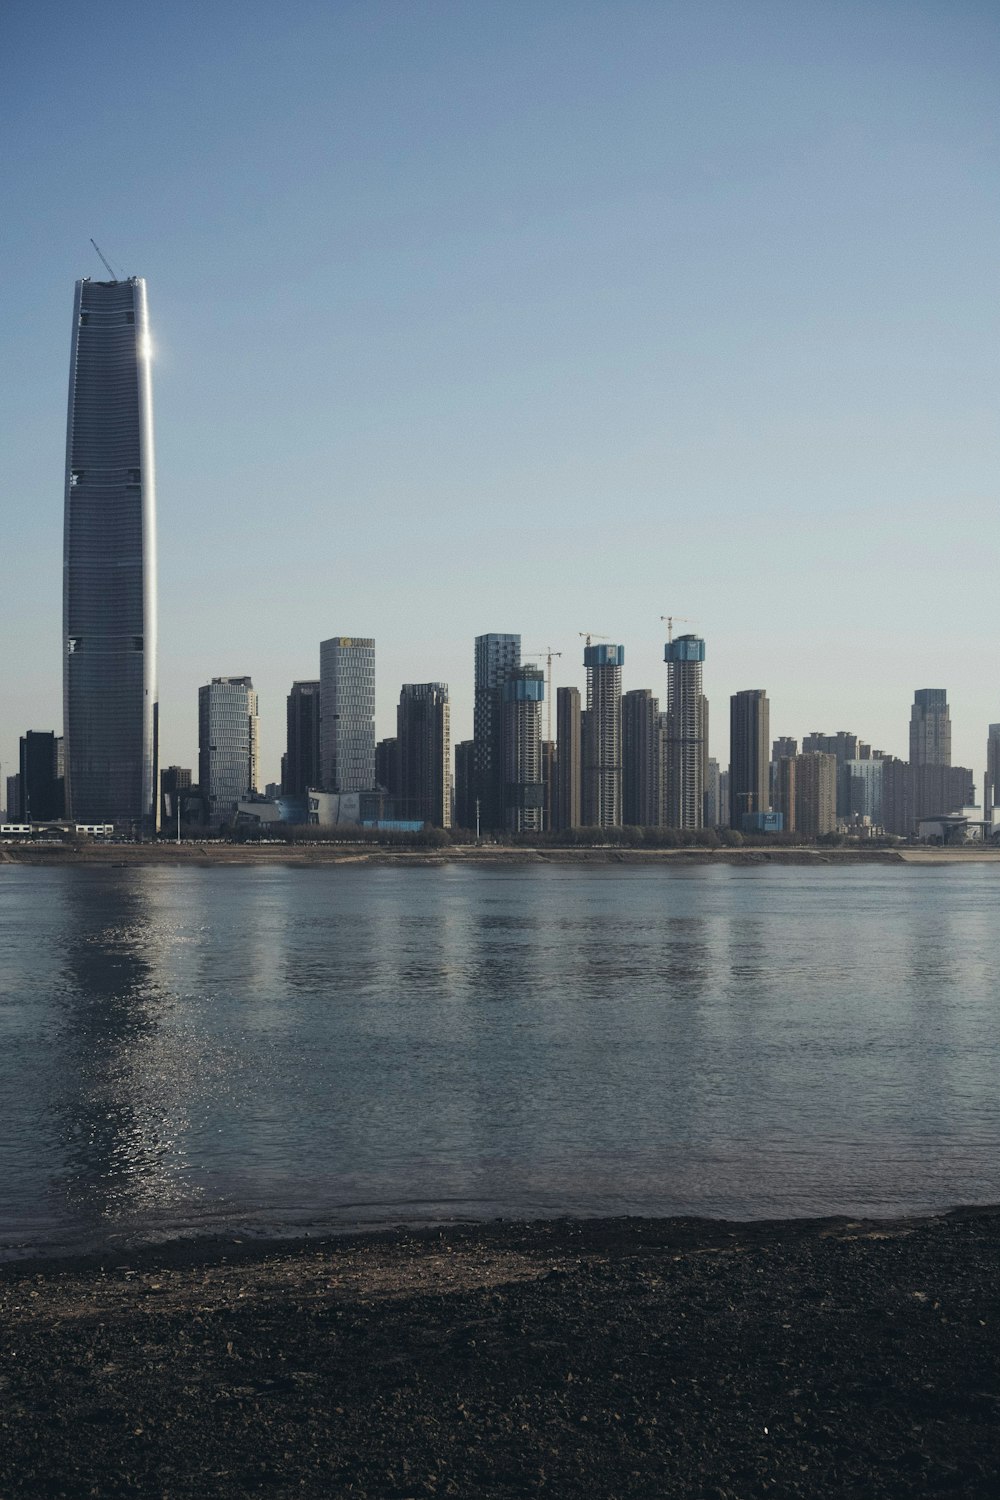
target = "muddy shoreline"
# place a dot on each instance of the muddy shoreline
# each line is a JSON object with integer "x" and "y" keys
{"x": 575, "y": 1358}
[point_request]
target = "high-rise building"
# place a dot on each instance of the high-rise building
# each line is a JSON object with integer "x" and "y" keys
{"x": 387, "y": 764}
{"x": 423, "y": 736}
{"x": 602, "y": 737}
{"x": 40, "y": 787}
{"x": 14, "y": 798}
{"x": 496, "y": 657}
{"x": 930, "y": 728}
{"x": 523, "y": 693}
{"x": 686, "y": 734}
{"x": 641, "y": 758}
{"x": 110, "y": 710}
{"x": 714, "y": 815}
{"x": 784, "y": 746}
{"x": 815, "y": 793}
{"x": 174, "y": 780}
{"x": 227, "y": 744}
{"x": 864, "y": 788}
{"x": 347, "y": 714}
{"x": 568, "y": 750}
{"x": 749, "y": 737}
{"x": 783, "y": 790}
{"x": 301, "y": 765}
{"x": 991, "y": 798}
{"x": 845, "y": 747}
{"x": 465, "y": 784}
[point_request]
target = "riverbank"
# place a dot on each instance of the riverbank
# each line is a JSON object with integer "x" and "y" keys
{"x": 103, "y": 856}
{"x": 579, "y": 1359}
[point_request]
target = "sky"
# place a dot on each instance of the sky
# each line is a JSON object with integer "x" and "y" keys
{"x": 547, "y": 316}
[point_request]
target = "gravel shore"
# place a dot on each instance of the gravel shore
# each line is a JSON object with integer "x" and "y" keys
{"x": 573, "y": 1358}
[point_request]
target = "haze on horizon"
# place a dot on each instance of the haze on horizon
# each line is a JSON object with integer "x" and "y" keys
{"x": 538, "y": 317}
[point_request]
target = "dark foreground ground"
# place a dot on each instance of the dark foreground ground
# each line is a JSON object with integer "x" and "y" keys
{"x": 597, "y": 1359}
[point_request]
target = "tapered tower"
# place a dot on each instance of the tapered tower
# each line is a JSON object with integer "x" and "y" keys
{"x": 109, "y": 562}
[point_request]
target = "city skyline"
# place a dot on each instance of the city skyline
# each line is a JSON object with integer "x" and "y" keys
{"x": 696, "y": 302}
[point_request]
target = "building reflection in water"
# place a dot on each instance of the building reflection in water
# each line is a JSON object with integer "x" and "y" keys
{"x": 127, "y": 1067}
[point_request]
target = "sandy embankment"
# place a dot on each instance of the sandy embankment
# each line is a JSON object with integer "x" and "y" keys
{"x": 584, "y": 1359}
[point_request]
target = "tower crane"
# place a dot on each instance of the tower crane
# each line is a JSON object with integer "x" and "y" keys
{"x": 111, "y": 270}
{"x": 670, "y": 623}
{"x": 590, "y": 635}
{"x": 548, "y": 653}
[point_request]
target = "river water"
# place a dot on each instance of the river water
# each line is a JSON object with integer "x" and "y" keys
{"x": 276, "y": 1050}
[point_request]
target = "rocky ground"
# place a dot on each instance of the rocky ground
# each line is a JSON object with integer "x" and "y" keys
{"x": 594, "y": 1358}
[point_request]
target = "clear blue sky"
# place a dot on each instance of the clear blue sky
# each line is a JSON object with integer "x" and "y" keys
{"x": 536, "y": 315}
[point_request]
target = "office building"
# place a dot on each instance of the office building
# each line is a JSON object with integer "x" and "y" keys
{"x": 423, "y": 737}
{"x": 300, "y": 767}
{"x": 347, "y": 713}
{"x": 109, "y": 562}
{"x": 685, "y": 743}
{"x": 497, "y": 656}
{"x": 641, "y": 758}
{"x": 930, "y": 728}
{"x": 567, "y": 811}
{"x": 523, "y": 693}
{"x": 227, "y": 745}
{"x": 14, "y": 798}
{"x": 387, "y": 764}
{"x": 991, "y": 797}
{"x": 465, "y": 785}
{"x": 815, "y": 793}
{"x": 601, "y": 735}
{"x": 749, "y": 741}
{"x": 174, "y": 780}
{"x": 41, "y": 790}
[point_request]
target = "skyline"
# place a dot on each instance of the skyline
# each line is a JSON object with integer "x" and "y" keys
{"x": 599, "y": 316}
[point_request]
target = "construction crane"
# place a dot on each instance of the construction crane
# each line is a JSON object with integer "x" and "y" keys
{"x": 670, "y": 623}
{"x": 548, "y": 653}
{"x": 590, "y": 635}
{"x": 111, "y": 270}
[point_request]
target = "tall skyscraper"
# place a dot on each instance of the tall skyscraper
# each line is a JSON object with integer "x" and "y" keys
{"x": 930, "y": 728}
{"x": 568, "y": 750}
{"x": 749, "y": 738}
{"x": 602, "y": 737}
{"x": 991, "y": 798}
{"x": 496, "y": 657}
{"x": 347, "y": 714}
{"x": 465, "y": 781}
{"x": 301, "y": 770}
{"x": 641, "y": 744}
{"x": 109, "y": 562}
{"x": 227, "y": 744}
{"x": 523, "y": 693}
{"x": 685, "y": 739}
{"x": 423, "y": 736}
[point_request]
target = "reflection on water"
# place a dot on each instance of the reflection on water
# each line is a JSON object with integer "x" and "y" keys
{"x": 271, "y": 1048}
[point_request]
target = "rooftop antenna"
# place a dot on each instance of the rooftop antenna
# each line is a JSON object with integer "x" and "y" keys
{"x": 111, "y": 270}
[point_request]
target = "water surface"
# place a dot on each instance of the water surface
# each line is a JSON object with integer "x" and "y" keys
{"x": 286, "y": 1049}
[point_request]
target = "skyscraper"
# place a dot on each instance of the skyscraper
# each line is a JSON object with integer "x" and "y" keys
{"x": 815, "y": 793}
{"x": 41, "y": 790}
{"x": 496, "y": 656}
{"x": 109, "y": 562}
{"x": 992, "y": 794}
{"x": 227, "y": 744}
{"x": 566, "y": 811}
{"x": 302, "y": 754}
{"x": 749, "y": 735}
{"x": 684, "y": 746}
{"x": 641, "y": 740}
{"x": 347, "y": 714}
{"x": 523, "y": 693}
{"x": 930, "y": 728}
{"x": 423, "y": 738}
{"x": 602, "y": 737}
